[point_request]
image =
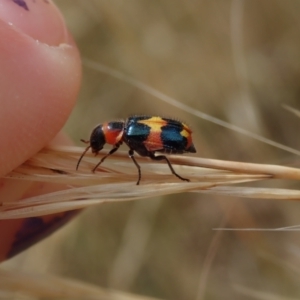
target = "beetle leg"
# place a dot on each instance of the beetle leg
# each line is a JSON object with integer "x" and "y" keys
{"x": 82, "y": 155}
{"x": 131, "y": 155}
{"x": 112, "y": 151}
{"x": 162, "y": 157}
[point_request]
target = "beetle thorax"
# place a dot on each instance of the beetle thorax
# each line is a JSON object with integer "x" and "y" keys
{"x": 113, "y": 132}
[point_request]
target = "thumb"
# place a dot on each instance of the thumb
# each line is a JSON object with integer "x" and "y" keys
{"x": 39, "y": 79}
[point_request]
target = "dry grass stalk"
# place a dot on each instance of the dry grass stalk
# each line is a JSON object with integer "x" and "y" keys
{"x": 37, "y": 286}
{"x": 115, "y": 180}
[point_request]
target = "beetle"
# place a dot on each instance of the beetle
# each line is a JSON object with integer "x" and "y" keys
{"x": 144, "y": 135}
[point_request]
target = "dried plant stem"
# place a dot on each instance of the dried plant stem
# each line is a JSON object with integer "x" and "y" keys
{"x": 115, "y": 180}
{"x": 43, "y": 285}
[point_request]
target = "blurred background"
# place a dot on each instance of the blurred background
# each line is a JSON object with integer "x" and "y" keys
{"x": 235, "y": 60}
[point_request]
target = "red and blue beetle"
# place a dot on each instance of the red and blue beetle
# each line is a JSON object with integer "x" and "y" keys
{"x": 145, "y": 135}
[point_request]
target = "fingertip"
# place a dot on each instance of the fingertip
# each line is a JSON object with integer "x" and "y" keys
{"x": 39, "y": 83}
{"x": 40, "y": 20}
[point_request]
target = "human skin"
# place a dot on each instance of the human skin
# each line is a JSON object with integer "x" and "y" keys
{"x": 39, "y": 82}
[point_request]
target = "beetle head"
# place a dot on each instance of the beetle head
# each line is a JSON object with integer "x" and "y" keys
{"x": 97, "y": 139}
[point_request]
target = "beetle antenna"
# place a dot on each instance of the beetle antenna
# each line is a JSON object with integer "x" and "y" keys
{"x": 84, "y": 141}
{"x": 82, "y": 155}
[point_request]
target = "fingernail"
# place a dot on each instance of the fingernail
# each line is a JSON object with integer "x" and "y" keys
{"x": 39, "y": 19}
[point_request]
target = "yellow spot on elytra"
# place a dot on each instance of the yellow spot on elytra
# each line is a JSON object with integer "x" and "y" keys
{"x": 155, "y": 123}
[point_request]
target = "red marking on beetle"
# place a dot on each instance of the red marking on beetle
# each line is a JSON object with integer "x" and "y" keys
{"x": 154, "y": 141}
